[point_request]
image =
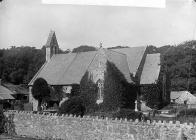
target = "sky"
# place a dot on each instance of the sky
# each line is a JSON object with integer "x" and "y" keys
{"x": 28, "y": 23}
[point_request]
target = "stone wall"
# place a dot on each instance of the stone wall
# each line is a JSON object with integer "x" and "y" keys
{"x": 68, "y": 127}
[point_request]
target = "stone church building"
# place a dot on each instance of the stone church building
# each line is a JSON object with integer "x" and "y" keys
{"x": 137, "y": 67}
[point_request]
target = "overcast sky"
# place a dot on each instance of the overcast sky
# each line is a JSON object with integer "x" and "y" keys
{"x": 28, "y": 22}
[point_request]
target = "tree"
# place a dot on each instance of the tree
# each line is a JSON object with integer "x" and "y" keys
{"x": 118, "y": 47}
{"x": 19, "y": 64}
{"x": 83, "y": 48}
{"x": 40, "y": 91}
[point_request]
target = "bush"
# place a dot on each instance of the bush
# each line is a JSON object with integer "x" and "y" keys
{"x": 2, "y": 122}
{"x": 72, "y": 106}
{"x": 122, "y": 113}
{"x": 129, "y": 114}
{"x": 187, "y": 112}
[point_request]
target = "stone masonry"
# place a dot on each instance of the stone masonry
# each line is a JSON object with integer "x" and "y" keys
{"x": 69, "y": 127}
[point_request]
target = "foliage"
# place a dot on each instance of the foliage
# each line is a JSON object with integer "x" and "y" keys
{"x": 117, "y": 93}
{"x": 154, "y": 95}
{"x": 118, "y": 47}
{"x": 83, "y": 48}
{"x": 88, "y": 93}
{"x": 2, "y": 121}
{"x": 19, "y": 64}
{"x": 121, "y": 114}
{"x": 187, "y": 112}
{"x": 74, "y": 105}
{"x": 180, "y": 64}
{"x": 129, "y": 114}
{"x": 40, "y": 90}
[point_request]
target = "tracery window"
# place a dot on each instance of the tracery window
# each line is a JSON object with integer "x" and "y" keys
{"x": 100, "y": 91}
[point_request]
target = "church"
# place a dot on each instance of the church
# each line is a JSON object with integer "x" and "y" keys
{"x": 116, "y": 74}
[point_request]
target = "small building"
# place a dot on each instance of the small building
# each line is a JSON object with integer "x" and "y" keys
{"x": 5, "y": 96}
{"x": 18, "y": 92}
{"x": 182, "y": 97}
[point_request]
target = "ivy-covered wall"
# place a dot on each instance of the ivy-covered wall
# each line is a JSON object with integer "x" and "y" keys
{"x": 117, "y": 93}
{"x": 88, "y": 93}
{"x": 158, "y": 95}
{"x": 152, "y": 95}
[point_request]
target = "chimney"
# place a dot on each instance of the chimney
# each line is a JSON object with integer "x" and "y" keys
{"x": 52, "y": 46}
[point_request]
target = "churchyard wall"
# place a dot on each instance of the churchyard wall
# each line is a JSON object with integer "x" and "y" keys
{"x": 69, "y": 127}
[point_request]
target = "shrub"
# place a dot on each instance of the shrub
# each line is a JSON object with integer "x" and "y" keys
{"x": 73, "y": 106}
{"x": 122, "y": 113}
{"x": 129, "y": 114}
{"x": 2, "y": 122}
{"x": 187, "y": 112}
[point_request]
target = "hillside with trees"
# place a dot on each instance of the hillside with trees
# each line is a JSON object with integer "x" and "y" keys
{"x": 19, "y": 64}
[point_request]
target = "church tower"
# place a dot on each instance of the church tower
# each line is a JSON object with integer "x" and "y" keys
{"x": 52, "y": 46}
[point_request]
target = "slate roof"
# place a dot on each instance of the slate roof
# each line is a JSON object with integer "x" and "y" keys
{"x": 16, "y": 89}
{"x": 151, "y": 69}
{"x": 65, "y": 69}
{"x": 120, "y": 61}
{"x": 5, "y": 93}
{"x": 134, "y": 57}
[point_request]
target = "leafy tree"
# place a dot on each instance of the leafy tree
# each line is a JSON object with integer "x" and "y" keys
{"x": 179, "y": 61}
{"x": 40, "y": 91}
{"x": 118, "y": 47}
{"x": 83, "y": 48}
{"x": 19, "y": 64}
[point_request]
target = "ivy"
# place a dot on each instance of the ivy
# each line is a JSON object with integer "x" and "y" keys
{"x": 117, "y": 92}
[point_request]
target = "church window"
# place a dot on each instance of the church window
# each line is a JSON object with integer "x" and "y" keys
{"x": 100, "y": 91}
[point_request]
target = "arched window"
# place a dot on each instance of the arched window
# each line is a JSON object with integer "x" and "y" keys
{"x": 100, "y": 91}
